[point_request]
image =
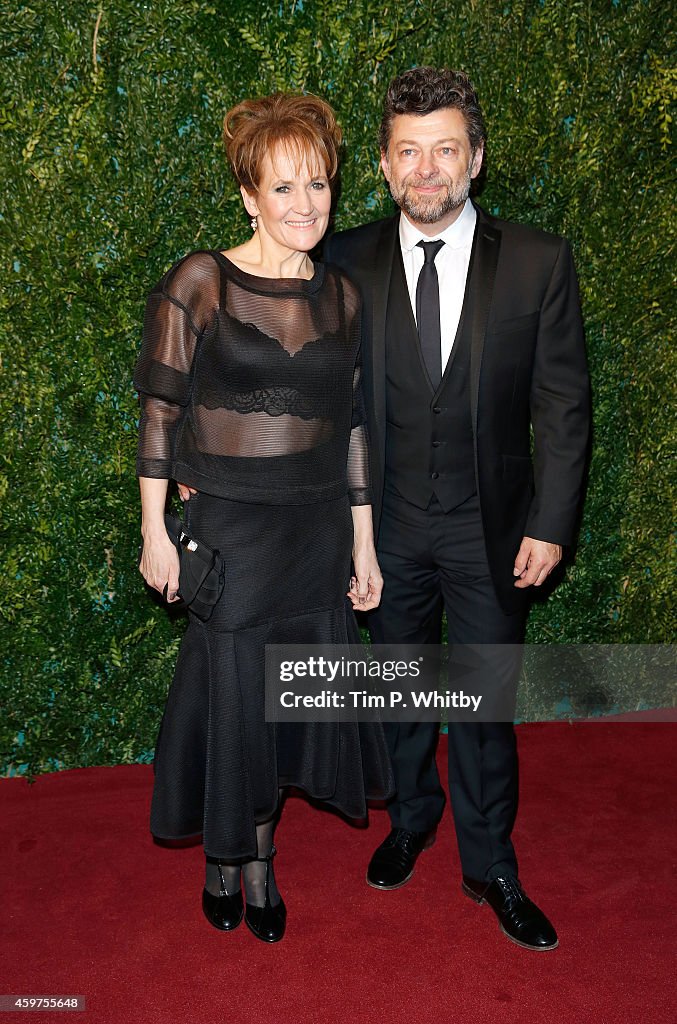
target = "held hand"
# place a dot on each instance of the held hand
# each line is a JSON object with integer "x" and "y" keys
{"x": 185, "y": 491}
{"x": 367, "y": 583}
{"x": 159, "y": 565}
{"x": 535, "y": 561}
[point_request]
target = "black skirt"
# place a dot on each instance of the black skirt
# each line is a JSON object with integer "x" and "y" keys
{"x": 218, "y": 763}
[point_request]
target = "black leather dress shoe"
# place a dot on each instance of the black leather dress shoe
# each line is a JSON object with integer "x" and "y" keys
{"x": 520, "y": 919}
{"x": 393, "y": 862}
{"x": 224, "y": 911}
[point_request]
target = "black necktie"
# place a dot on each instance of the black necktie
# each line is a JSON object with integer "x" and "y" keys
{"x": 428, "y": 312}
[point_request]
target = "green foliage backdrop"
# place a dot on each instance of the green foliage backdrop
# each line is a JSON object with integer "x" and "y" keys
{"x": 111, "y": 168}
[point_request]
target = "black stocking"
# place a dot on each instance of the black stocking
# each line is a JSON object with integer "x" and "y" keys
{"x": 254, "y": 871}
{"x": 227, "y": 879}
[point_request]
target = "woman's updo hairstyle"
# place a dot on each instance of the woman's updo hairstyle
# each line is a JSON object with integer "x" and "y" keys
{"x": 302, "y": 124}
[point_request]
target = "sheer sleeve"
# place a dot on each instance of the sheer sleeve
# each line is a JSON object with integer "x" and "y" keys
{"x": 358, "y": 449}
{"x": 162, "y": 377}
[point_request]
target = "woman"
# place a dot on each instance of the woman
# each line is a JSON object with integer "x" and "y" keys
{"x": 249, "y": 381}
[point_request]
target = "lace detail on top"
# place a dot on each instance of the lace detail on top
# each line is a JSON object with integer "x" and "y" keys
{"x": 273, "y": 401}
{"x": 251, "y": 387}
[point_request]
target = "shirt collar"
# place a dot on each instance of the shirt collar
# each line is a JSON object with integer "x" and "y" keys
{"x": 458, "y": 235}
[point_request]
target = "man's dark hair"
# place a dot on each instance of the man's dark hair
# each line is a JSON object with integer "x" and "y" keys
{"x": 424, "y": 90}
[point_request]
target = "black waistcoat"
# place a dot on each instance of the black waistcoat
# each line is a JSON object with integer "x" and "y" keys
{"x": 429, "y": 438}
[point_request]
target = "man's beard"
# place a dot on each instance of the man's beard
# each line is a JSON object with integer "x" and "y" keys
{"x": 430, "y": 209}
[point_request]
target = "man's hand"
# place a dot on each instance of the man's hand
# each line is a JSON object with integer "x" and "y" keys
{"x": 535, "y": 561}
{"x": 185, "y": 491}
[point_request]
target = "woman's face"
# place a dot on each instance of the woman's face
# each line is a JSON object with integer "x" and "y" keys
{"x": 293, "y": 200}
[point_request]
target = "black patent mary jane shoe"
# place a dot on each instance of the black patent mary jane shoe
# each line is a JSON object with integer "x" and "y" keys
{"x": 267, "y": 922}
{"x": 224, "y": 911}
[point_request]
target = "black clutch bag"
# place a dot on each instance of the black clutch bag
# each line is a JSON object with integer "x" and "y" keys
{"x": 201, "y": 569}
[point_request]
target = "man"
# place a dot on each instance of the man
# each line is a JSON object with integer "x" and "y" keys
{"x": 472, "y": 339}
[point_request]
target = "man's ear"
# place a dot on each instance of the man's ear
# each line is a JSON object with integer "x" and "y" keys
{"x": 249, "y": 200}
{"x": 385, "y": 165}
{"x": 476, "y": 164}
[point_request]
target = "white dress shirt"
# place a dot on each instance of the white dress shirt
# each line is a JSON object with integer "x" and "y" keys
{"x": 452, "y": 263}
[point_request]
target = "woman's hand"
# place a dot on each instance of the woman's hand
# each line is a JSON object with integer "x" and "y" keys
{"x": 185, "y": 491}
{"x": 367, "y": 583}
{"x": 159, "y": 565}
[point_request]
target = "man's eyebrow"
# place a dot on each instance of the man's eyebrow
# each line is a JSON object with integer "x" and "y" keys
{"x": 414, "y": 142}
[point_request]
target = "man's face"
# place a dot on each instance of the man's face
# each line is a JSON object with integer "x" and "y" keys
{"x": 429, "y": 166}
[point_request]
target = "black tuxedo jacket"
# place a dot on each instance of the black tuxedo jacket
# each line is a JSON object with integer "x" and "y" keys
{"x": 529, "y": 380}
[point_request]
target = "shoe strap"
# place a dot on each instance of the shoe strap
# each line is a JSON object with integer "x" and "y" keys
{"x": 223, "y": 891}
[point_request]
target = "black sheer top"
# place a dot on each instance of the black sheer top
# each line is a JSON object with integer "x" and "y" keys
{"x": 250, "y": 387}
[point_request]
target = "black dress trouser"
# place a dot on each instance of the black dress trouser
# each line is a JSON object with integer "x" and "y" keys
{"x": 432, "y": 560}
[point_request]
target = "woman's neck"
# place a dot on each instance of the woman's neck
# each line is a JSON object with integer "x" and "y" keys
{"x": 265, "y": 258}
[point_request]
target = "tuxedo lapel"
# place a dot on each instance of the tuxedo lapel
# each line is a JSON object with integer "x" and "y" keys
{"x": 479, "y": 295}
{"x": 467, "y": 309}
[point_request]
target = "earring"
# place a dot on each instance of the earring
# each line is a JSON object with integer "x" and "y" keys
{"x": 254, "y": 223}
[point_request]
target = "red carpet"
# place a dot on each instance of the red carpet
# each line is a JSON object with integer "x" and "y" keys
{"x": 92, "y": 907}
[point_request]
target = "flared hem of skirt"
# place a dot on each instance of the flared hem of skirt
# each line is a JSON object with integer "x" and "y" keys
{"x": 219, "y": 763}
{"x": 246, "y": 854}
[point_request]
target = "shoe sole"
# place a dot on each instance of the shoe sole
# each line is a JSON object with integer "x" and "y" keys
{"x": 389, "y": 888}
{"x": 524, "y": 945}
